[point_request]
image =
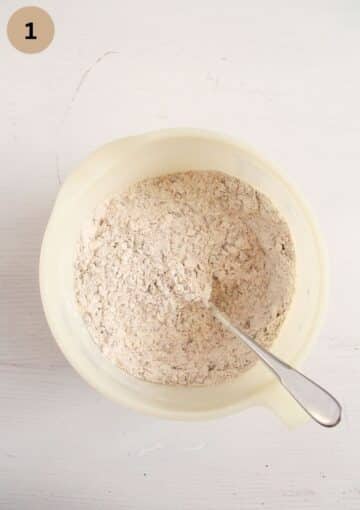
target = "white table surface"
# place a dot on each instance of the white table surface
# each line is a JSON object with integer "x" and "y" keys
{"x": 282, "y": 76}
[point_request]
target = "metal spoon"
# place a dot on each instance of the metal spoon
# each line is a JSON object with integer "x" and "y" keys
{"x": 315, "y": 400}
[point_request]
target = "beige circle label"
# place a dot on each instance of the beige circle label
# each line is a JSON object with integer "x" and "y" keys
{"x": 30, "y": 29}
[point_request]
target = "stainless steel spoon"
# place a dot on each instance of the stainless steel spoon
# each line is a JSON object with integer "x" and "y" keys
{"x": 315, "y": 400}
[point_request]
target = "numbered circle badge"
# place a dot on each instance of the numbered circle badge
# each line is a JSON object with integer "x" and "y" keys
{"x": 30, "y": 29}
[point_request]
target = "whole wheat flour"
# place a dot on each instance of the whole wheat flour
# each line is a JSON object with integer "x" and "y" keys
{"x": 150, "y": 259}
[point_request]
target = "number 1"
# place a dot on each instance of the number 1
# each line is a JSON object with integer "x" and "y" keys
{"x": 30, "y": 35}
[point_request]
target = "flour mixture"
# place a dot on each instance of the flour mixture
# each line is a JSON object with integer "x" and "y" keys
{"x": 152, "y": 257}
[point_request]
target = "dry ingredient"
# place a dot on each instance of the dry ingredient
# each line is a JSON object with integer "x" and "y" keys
{"x": 150, "y": 259}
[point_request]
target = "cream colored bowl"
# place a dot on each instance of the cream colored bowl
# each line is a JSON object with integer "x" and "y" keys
{"x": 113, "y": 168}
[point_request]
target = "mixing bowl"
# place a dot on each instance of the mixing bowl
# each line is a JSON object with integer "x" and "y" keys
{"x": 113, "y": 168}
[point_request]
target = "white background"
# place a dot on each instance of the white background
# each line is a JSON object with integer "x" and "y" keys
{"x": 284, "y": 77}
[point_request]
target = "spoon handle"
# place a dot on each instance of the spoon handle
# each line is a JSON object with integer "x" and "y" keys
{"x": 315, "y": 400}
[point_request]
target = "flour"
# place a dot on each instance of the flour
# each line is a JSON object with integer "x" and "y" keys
{"x": 153, "y": 256}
